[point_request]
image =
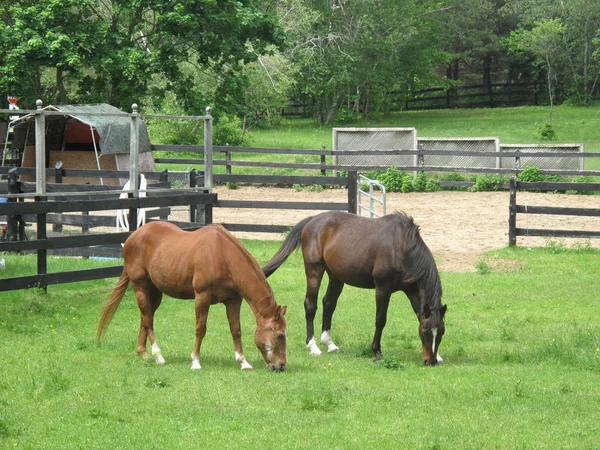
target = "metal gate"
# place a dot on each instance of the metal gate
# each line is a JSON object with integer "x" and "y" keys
{"x": 375, "y": 203}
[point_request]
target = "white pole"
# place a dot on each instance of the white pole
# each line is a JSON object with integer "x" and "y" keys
{"x": 134, "y": 149}
{"x": 208, "y": 151}
{"x": 40, "y": 149}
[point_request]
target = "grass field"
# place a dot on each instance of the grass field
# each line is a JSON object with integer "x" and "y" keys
{"x": 518, "y": 125}
{"x": 522, "y": 369}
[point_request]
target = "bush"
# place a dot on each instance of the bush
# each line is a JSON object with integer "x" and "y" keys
{"x": 485, "y": 183}
{"x": 453, "y": 176}
{"x": 546, "y": 132}
{"x": 228, "y": 130}
{"x": 581, "y": 179}
{"x": 395, "y": 181}
{"x": 420, "y": 182}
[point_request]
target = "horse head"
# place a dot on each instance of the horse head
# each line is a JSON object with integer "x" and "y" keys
{"x": 270, "y": 338}
{"x": 431, "y": 331}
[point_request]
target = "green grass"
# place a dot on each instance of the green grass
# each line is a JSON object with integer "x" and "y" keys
{"x": 518, "y": 125}
{"x": 522, "y": 370}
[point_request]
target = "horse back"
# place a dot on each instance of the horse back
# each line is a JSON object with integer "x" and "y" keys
{"x": 181, "y": 263}
{"x": 352, "y": 248}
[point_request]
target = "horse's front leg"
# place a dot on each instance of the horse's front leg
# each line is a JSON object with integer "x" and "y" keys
{"x": 233, "y": 307}
{"x": 334, "y": 290}
{"x": 202, "y": 304}
{"x": 313, "y": 282}
{"x": 382, "y": 299}
{"x": 148, "y": 298}
{"x": 415, "y": 300}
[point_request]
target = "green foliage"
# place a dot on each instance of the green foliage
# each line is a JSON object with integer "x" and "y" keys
{"x": 231, "y": 185}
{"x": 546, "y": 132}
{"x": 228, "y": 130}
{"x": 394, "y": 180}
{"x": 483, "y": 268}
{"x": 420, "y": 182}
{"x": 581, "y": 179}
{"x": 484, "y": 183}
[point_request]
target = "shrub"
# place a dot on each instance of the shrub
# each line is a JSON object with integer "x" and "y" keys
{"x": 581, "y": 179}
{"x": 546, "y": 132}
{"x": 420, "y": 182}
{"x": 488, "y": 183}
{"x": 228, "y": 130}
{"x": 453, "y": 176}
{"x": 394, "y": 180}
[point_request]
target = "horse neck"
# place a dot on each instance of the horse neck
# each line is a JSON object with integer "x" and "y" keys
{"x": 258, "y": 294}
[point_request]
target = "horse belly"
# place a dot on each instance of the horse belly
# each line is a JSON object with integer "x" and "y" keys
{"x": 353, "y": 276}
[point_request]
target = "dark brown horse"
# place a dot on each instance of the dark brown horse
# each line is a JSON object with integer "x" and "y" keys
{"x": 386, "y": 254}
{"x": 208, "y": 265}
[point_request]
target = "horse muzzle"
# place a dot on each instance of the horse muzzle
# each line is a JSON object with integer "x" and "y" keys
{"x": 276, "y": 367}
{"x": 430, "y": 362}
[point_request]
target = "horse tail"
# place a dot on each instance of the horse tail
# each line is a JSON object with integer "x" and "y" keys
{"x": 291, "y": 243}
{"x": 111, "y": 305}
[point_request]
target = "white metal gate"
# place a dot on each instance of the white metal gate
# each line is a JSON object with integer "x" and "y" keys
{"x": 376, "y": 206}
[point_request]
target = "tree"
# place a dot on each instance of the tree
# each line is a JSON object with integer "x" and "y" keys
{"x": 544, "y": 42}
{"x": 113, "y": 50}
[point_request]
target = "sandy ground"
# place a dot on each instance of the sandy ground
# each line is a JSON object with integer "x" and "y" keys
{"x": 458, "y": 227}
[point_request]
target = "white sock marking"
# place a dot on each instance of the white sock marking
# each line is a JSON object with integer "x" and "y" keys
{"x": 157, "y": 354}
{"x": 312, "y": 346}
{"x": 326, "y": 340}
{"x": 245, "y": 365}
{"x": 195, "y": 363}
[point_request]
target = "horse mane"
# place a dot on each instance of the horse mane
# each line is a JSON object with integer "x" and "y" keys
{"x": 418, "y": 264}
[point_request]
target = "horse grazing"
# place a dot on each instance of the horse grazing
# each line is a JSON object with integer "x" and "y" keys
{"x": 208, "y": 265}
{"x": 386, "y": 254}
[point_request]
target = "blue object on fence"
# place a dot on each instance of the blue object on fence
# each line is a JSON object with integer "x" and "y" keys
{"x": 2, "y": 200}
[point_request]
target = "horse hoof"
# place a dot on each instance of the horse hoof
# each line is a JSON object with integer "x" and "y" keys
{"x": 378, "y": 357}
{"x": 333, "y": 350}
{"x": 246, "y": 367}
{"x": 196, "y": 366}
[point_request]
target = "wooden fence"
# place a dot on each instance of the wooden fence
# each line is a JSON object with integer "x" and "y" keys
{"x": 515, "y": 209}
{"x": 42, "y": 208}
{"x": 349, "y": 182}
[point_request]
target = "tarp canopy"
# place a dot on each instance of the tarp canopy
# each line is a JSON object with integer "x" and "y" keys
{"x": 114, "y": 131}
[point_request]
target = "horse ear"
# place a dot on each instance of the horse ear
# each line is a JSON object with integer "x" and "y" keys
{"x": 283, "y": 310}
{"x": 443, "y": 310}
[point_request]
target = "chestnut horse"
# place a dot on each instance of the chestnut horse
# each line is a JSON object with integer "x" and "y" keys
{"x": 208, "y": 265}
{"x": 386, "y": 254}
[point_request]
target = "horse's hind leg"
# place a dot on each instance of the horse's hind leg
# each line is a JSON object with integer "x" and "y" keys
{"x": 314, "y": 275}
{"x": 148, "y": 298}
{"x": 233, "y": 307}
{"x": 334, "y": 289}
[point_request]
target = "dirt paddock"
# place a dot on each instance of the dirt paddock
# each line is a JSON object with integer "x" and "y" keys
{"x": 458, "y": 227}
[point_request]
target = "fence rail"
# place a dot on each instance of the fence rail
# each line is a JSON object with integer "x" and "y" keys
{"x": 514, "y": 209}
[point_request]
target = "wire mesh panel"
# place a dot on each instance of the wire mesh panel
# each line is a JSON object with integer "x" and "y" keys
{"x": 491, "y": 144}
{"x": 364, "y": 139}
{"x": 558, "y": 163}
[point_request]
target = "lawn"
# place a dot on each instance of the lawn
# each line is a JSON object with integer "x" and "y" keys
{"x": 522, "y": 369}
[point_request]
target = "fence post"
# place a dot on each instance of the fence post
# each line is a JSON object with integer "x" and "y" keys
{"x": 227, "y": 161}
{"x": 352, "y": 191}
{"x": 12, "y": 230}
{"x": 193, "y": 212}
{"x": 42, "y": 253}
{"x": 323, "y": 171}
{"x": 58, "y": 179}
{"x": 512, "y": 213}
{"x": 208, "y": 151}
